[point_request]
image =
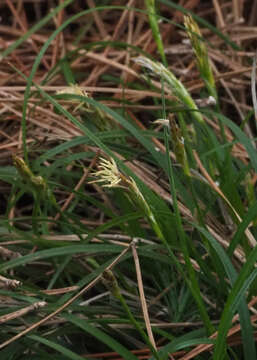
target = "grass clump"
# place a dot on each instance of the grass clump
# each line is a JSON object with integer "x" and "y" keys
{"x": 128, "y": 212}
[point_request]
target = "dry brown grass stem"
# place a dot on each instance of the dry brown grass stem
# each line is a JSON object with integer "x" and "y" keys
{"x": 22, "y": 312}
{"x": 142, "y": 296}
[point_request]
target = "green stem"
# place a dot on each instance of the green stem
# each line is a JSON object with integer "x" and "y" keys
{"x": 150, "y": 6}
{"x": 192, "y": 281}
{"x": 137, "y": 325}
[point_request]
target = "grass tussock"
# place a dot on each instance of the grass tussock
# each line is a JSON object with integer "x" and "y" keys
{"x": 128, "y": 167}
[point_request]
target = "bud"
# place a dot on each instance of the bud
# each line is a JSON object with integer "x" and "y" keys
{"x": 110, "y": 282}
{"x": 27, "y": 175}
{"x": 178, "y": 146}
{"x": 22, "y": 168}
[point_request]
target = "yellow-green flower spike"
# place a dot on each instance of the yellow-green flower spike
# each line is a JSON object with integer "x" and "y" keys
{"x": 27, "y": 175}
{"x": 22, "y": 168}
{"x": 75, "y": 89}
{"x": 178, "y": 146}
{"x": 201, "y": 54}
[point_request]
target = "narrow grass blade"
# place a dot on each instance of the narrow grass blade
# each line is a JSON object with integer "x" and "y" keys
{"x": 245, "y": 321}
{"x": 61, "y": 251}
{"x": 35, "y": 28}
{"x": 243, "y": 139}
{"x": 250, "y": 215}
{"x": 179, "y": 344}
{"x": 64, "y": 351}
{"x": 237, "y": 293}
{"x": 253, "y": 88}
{"x": 100, "y": 335}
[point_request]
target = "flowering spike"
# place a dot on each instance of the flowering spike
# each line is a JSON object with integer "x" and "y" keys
{"x": 201, "y": 54}
{"x": 75, "y": 89}
{"x": 27, "y": 175}
{"x": 108, "y": 173}
{"x": 22, "y": 168}
{"x": 176, "y": 86}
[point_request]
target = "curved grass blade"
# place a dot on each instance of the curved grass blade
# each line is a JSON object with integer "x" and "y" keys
{"x": 243, "y": 139}
{"x": 34, "y": 28}
{"x": 64, "y": 351}
{"x": 245, "y": 320}
{"x": 235, "y": 297}
{"x": 250, "y": 215}
{"x": 181, "y": 344}
{"x": 80, "y": 140}
{"x": 102, "y": 336}
{"x": 61, "y": 251}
